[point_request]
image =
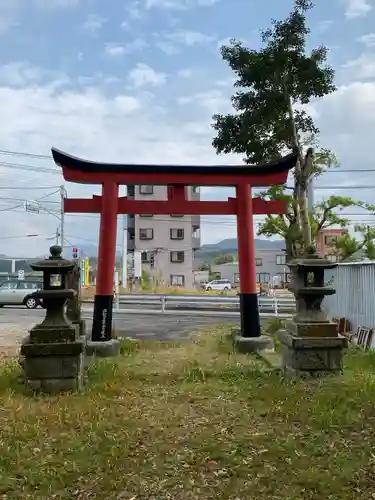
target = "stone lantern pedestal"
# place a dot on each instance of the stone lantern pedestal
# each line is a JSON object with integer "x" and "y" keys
{"x": 54, "y": 350}
{"x": 310, "y": 343}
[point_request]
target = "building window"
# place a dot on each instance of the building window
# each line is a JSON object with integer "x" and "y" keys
{"x": 258, "y": 262}
{"x": 177, "y": 280}
{"x": 176, "y": 234}
{"x": 149, "y": 189}
{"x": 146, "y": 234}
{"x": 145, "y": 257}
{"x": 145, "y": 215}
{"x": 281, "y": 260}
{"x": 330, "y": 240}
{"x": 177, "y": 257}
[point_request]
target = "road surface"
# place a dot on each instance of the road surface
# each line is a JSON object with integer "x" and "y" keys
{"x": 15, "y": 323}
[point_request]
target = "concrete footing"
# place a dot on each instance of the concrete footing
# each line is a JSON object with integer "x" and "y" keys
{"x": 105, "y": 349}
{"x": 249, "y": 345}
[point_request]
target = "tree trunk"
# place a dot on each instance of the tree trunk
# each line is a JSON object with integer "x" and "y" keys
{"x": 301, "y": 178}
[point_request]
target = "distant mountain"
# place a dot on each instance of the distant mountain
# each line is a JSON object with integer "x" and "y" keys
{"x": 230, "y": 245}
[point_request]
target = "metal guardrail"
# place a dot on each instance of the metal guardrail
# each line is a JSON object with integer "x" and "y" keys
{"x": 273, "y": 305}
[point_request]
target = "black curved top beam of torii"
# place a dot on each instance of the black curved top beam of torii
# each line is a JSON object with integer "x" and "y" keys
{"x": 62, "y": 159}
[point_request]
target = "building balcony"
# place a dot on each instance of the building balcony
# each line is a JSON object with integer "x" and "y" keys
{"x": 196, "y": 242}
{"x": 196, "y": 237}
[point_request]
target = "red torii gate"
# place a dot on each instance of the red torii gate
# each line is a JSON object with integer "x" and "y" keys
{"x": 177, "y": 178}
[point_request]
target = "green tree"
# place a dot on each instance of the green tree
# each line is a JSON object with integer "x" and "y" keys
{"x": 275, "y": 83}
{"x": 325, "y": 214}
{"x": 224, "y": 259}
{"x": 205, "y": 266}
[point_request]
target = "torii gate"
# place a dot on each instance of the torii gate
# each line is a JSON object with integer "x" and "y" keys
{"x": 177, "y": 178}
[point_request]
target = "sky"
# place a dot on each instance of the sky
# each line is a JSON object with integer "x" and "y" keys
{"x": 138, "y": 81}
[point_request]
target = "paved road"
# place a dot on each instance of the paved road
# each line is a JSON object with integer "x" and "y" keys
{"x": 15, "y": 322}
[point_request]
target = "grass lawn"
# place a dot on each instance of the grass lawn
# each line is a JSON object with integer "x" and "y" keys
{"x": 191, "y": 421}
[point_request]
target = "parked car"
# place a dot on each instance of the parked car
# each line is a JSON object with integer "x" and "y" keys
{"x": 19, "y": 292}
{"x": 220, "y": 285}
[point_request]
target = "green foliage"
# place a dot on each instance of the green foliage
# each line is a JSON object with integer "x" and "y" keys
{"x": 224, "y": 259}
{"x": 146, "y": 282}
{"x": 205, "y": 267}
{"x": 270, "y": 80}
{"x": 327, "y": 213}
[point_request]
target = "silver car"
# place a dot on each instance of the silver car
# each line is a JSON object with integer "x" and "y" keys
{"x": 19, "y": 292}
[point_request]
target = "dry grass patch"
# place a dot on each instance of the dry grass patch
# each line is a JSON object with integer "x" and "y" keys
{"x": 191, "y": 421}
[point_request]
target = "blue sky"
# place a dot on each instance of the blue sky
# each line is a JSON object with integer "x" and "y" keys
{"x": 139, "y": 81}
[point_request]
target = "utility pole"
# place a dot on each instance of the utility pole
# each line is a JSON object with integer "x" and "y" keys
{"x": 62, "y": 216}
{"x": 57, "y": 235}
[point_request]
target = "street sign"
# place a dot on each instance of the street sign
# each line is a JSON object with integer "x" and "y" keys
{"x": 21, "y": 274}
{"x": 32, "y": 206}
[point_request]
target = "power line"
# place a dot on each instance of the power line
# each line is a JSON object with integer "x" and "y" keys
{"x": 29, "y": 155}
{"x": 21, "y": 188}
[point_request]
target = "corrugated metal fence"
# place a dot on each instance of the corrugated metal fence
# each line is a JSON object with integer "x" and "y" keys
{"x": 355, "y": 294}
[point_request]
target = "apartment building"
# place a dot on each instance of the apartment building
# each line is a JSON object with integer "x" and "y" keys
{"x": 167, "y": 243}
{"x": 324, "y": 241}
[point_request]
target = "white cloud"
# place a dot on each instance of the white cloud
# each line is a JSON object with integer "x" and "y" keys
{"x": 94, "y": 24}
{"x": 143, "y": 75}
{"x": 210, "y": 100}
{"x": 171, "y": 43}
{"x": 38, "y": 114}
{"x": 363, "y": 66}
{"x": 368, "y": 40}
{"x": 178, "y": 4}
{"x": 357, "y": 8}
{"x": 134, "y": 11}
{"x": 20, "y": 74}
{"x": 114, "y": 50}
{"x": 118, "y": 50}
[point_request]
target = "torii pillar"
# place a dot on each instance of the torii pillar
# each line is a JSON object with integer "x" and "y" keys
{"x": 249, "y": 338}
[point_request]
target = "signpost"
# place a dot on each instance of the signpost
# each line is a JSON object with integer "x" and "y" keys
{"x": 32, "y": 206}
{"x": 85, "y": 272}
{"x": 21, "y": 274}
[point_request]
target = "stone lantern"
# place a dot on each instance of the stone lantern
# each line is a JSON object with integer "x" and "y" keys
{"x": 53, "y": 352}
{"x": 311, "y": 343}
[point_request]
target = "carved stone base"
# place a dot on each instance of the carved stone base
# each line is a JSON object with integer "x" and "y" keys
{"x": 53, "y": 367}
{"x": 321, "y": 329}
{"x": 41, "y": 334}
{"x": 311, "y": 355}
